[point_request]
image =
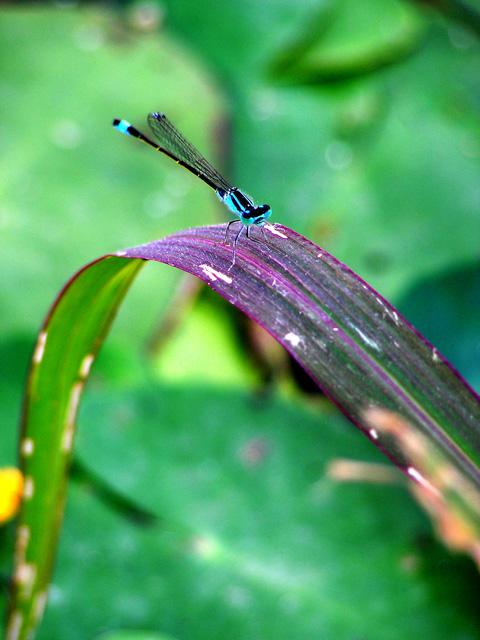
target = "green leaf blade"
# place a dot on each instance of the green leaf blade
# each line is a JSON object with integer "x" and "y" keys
{"x": 65, "y": 350}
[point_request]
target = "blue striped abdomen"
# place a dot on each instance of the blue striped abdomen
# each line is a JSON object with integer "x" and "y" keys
{"x": 243, "y": 207}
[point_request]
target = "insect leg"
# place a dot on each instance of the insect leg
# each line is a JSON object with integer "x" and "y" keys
{"x": 225, "y": 240}
{"x": 235, "y": 242}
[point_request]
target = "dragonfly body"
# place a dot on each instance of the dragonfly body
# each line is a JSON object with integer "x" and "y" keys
{"x": 173, "y": 144}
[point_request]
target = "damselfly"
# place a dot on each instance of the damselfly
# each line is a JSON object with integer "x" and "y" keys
{"x": 175, "y": 146}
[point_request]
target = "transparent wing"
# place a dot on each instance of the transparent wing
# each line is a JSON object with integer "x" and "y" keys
{"x": 177, "y": 147}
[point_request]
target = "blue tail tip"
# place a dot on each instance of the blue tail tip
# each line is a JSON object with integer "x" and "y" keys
{"x": 121, "y": 125}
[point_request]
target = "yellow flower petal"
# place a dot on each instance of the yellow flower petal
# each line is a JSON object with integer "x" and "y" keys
{"x": 11, "y": 487}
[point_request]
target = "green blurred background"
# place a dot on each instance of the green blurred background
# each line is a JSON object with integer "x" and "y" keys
{"x": 200, "y": 504}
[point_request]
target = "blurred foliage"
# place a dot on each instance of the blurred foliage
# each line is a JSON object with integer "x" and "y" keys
{"x": 14, "y": 355}
{"x": 379, "y": 164}
{"x": 134, "y": 635}
{"x": 252, "y": 538}
{"x": 446, "y": 308}
{"x": 359, "y": 124}
{"x": 72, "y": 188}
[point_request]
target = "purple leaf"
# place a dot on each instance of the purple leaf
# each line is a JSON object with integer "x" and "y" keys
{"x": 358, "y": 348}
